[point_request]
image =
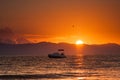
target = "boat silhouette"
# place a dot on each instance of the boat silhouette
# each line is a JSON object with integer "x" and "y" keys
{"x": 58, "y": 54}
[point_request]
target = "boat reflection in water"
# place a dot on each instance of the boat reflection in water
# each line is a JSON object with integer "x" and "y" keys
{"x": 58, "y": 54}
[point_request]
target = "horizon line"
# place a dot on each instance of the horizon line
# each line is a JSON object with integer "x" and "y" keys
{"x": 57, "y": 43}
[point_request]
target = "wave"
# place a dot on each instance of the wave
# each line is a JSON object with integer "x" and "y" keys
{"x": 31, "y": 76}
{"x": 51, "y": 76}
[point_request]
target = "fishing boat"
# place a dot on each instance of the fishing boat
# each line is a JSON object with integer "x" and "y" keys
{"x": 58, "y": 54}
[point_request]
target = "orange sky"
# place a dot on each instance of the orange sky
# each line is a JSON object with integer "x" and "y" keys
{"x": 93, "y": 21}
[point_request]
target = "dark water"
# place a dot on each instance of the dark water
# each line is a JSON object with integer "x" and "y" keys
{"x": 70, "y": 68}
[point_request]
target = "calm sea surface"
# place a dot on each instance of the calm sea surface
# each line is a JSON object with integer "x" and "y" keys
{"x": 70, "y": 68}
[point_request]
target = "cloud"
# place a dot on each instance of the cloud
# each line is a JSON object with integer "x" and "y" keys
{"x": 9, "y": 37}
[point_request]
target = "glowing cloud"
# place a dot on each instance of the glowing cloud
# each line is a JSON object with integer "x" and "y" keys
{"x": 9, "y": 37}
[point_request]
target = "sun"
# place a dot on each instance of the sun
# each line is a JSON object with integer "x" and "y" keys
{"x": 78, "y": 42}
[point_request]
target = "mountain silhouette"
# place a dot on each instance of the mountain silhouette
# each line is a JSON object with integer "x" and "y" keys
{"x": 44, "y": 48}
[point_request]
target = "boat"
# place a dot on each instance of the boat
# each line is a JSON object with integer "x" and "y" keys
{"x": 58, "y": 54}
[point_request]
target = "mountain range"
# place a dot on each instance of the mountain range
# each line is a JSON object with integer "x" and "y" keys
{"x": 45, "y": 48}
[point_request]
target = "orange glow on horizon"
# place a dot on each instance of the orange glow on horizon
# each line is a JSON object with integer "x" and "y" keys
{"x": 68, "y": 39}
{"x": 78, "y": 42}
{"x": 59, "y": 39}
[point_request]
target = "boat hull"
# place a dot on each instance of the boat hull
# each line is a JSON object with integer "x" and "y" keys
{"x": 51, "y": 56}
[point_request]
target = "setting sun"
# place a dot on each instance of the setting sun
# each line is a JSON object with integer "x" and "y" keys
{"x": 78, "y": 42}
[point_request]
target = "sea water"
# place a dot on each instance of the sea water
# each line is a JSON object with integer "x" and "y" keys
{"x": 70, "y": 68}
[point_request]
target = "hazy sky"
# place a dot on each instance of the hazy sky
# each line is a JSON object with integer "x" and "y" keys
{"x": 93, "y": 21}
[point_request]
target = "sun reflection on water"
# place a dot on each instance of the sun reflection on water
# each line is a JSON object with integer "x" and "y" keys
{"x": 70, "y": 68}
